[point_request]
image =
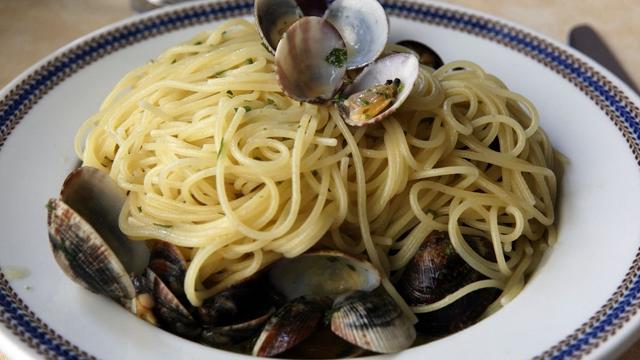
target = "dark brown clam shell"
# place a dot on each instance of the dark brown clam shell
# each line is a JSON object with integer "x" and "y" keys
{"x": 234, "y": 334}
{"x": 437, "y": 271}
{"x": 426, "y": 55}
{"x": 168, "y": 263}
{"x": 172, "y": 314}
{"x": 290, "y": 325}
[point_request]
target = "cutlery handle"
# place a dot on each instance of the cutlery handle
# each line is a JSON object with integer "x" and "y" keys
{"x": 586, "y": 40}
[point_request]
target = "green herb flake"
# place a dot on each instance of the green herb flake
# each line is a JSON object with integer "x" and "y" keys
{"x": 217, "y": 74}
{"x": 247, "y": 108}
{"x": 174, "y": 61}
{"x": 364, "y": 102}
{"x": 271, "y": 102}
{"x": 198, "y": 43}
{"x": 400, "y": 88}
{"x": 220, "y": 148}
{"x": 230, "y": 93}
{"x": 339, "y": 97}
{"x": 139, "y": 208}
{"x": 250, "y": 61}
{"x": 163, "y": 225}
{"x": 49, "y": 206}
{"x": 224, "y": 33}
{"x": 337, "y": 57}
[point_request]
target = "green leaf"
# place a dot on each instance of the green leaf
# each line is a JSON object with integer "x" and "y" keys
{"x": 271, "y": 102}
{"x": 230, "y": 93}
{"x": 174, "y": 61}
{"x": 198, "y": 43}
{"x": 247, "y": 108}
{"x": 163, "y": 225}
{"x": 250, "y": 61}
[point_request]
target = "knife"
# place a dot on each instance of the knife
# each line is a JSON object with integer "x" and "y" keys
{"x": 585, "y": 39}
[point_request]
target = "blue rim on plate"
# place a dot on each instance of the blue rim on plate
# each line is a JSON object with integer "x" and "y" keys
{"x": 618, "y": 309}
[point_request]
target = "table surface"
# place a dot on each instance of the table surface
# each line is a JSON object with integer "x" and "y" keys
{"x": 60, "y": 21}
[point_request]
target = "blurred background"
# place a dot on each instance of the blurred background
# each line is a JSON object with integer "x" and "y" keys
{"x": 31, "y": 29}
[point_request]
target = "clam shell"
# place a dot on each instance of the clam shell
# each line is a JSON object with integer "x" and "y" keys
{"x": 437, "y": 271}
{"x": 401, "y": 66}
{"x": 302, "y": 68}
{"x": 372, "y": 321}
{"x": 93, "y": 195}
{"x": 172, "y": 314}
{"x": 168, "y": 263}
{"x": 84, "y": 256}
{"x": 273, "y": 18}
{"x": 323, "y": 273}
{"x": 426, "y": 55}
{"x": 363, "y": 25}
{"x": 235, "y": 333}
{"x": 291, "y": 324}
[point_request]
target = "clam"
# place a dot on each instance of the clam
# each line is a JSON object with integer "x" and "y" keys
{"x": 364, "y": 27}
{"x": 171, "y": 313}
{"x": 310, "y": 60}
{"x": 273, "y": 18}
{"x": 168, "y": 263}
{"x": 87, "y": 244}
{"x": 426, "y": 55}
{"x": 234, "y": 333}
{"x": 372, "y": 321}
{"x": 323, "y": 273}
{"x": 379, "y": 90}
{"x": 437, "y": 271}
{"x": 290, "y": 325}
{"x": 236, "y": 314}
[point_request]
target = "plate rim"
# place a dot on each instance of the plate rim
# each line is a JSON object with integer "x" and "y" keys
{"x": 611, "y": 95}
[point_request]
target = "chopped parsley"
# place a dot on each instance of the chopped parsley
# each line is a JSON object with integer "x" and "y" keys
{"x": 271, "y": 102}
{"x": 340, "y": 97}
{"x": 163, "y": 225}
{"x": 218, "y": 74}
{"x": 250, "y": 61}
{"x": 139, "y": 208}
{"x": 49, "y": 206}
{"x": 230, "y": 93}
{"x": 364, "y": 102}
{"x": 174, "y": 61}
{"x": 247, "y": 108}
{"x": 337, "y": 57}
{"x": 198, "y": 43}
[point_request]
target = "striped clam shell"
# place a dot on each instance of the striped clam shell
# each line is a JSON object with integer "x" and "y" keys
{"x": 84, "y": 256}
{"x": 372, "y": 321}
{"x": 302, "y": 68}
{"x": 291, "y": 324}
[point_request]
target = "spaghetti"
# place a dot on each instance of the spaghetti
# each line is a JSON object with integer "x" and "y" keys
{"x": 217, "y": 160}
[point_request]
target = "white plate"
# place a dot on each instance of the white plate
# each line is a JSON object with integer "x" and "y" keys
{"x": 581, "y": 302}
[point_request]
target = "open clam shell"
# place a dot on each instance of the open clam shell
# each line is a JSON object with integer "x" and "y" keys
{"x": 323, "y": 273}
{"x": 372, "y": 321}
{"x": 94, "y": 196}
{"x": 364, "y": 26}
{"x": 84, "y": 256}
{"x": 273, "y": 18}
{"x": 426, "y": 55}
{"x": 291, "y": 324}
{"x": 436, "y": 271}
{"x": 379, "y": 90}
{"x": 168, "y": 263}
{"x": 310, "y": 60}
